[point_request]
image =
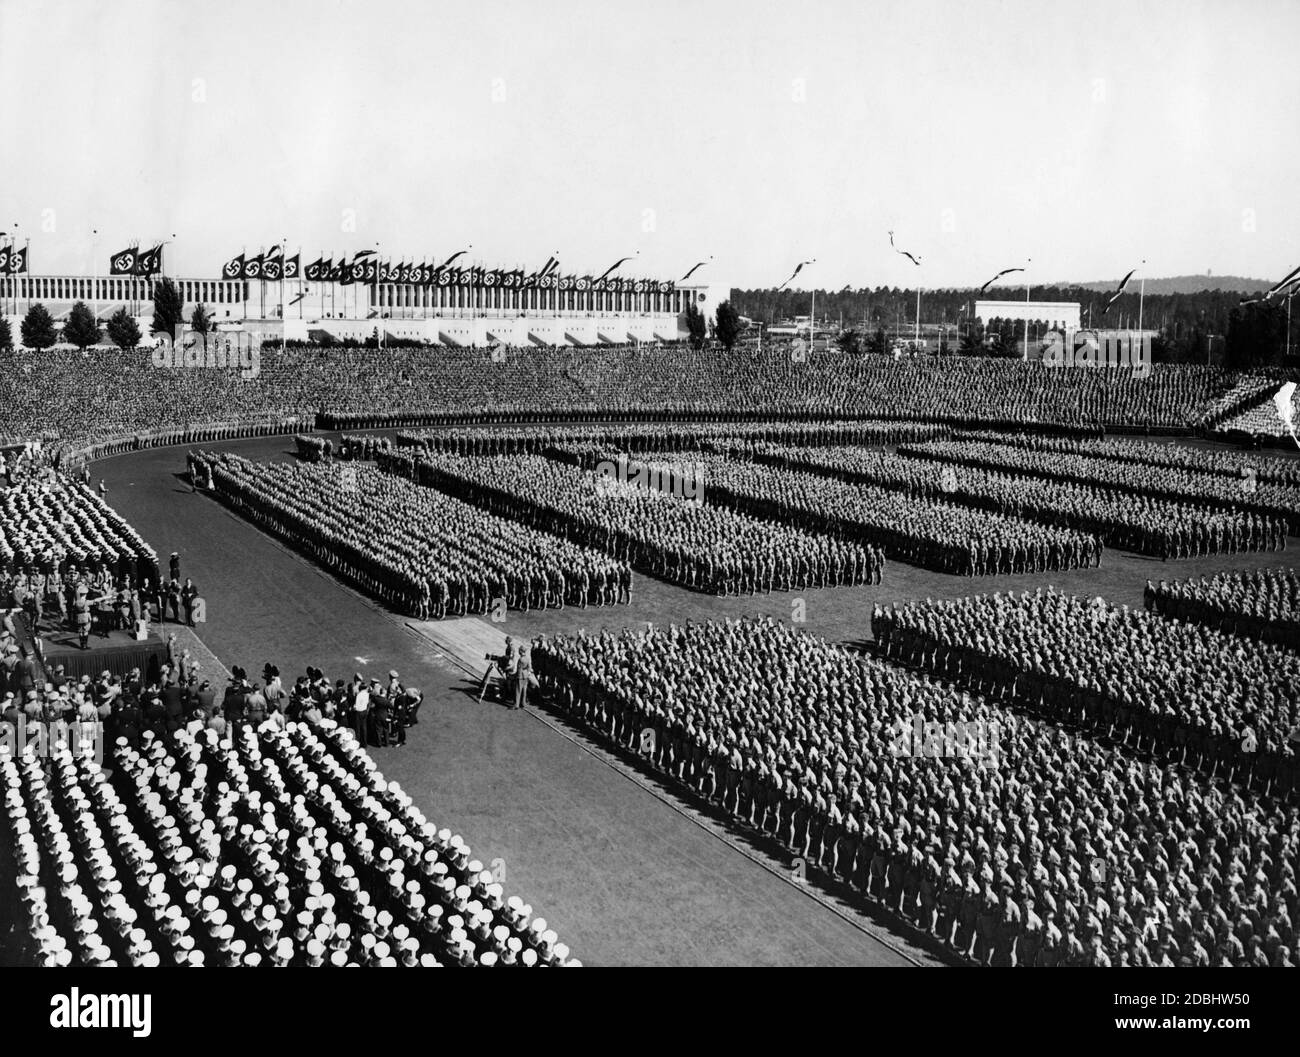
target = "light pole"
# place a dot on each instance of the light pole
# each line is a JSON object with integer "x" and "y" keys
{"x": 166, "y": 242}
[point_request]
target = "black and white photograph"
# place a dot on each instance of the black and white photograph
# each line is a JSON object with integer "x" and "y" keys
{"x": 719, "y": 484}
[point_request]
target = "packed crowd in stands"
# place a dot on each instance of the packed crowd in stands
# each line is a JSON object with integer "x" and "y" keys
{"x": 1163, "y": 528}
{"x": 1261, "y": 604}
{"x": 1240, "y": 465}
{"x": 701, "y": 547}
{"x": 355, "y": 387}
{"x": 1010, "y": 841}
{"x": 929, "y": 533}
{"x": 1276, "y": 501}
{"x": 420, "y": 551}
{"x": 1180, "y": 691}
{"x": 266, "y": 839}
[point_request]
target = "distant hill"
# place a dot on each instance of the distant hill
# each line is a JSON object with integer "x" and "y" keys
{"x": 1183, "y": 284}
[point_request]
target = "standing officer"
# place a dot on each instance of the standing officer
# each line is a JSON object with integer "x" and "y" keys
{"x": 173, "y": 598}
{"x": 188, "y": 594}
{"x": 81, "y": 616}
{"x": 523, "y": 674}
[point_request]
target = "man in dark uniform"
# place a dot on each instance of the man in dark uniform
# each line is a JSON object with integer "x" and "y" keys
{"x": 188, "y": 594}
{"x": 173, "y": 599}
{"x": 173, "y": 707}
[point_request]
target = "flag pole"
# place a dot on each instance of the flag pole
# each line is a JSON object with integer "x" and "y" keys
{"x": 11, "y": 276}
{"x": 1028, "y": 262}
{"x": 94, "y": 277}
{"x": 374, "y": 294}
{"x": 284, "y": 248}
{"x": 1294, "y": 290}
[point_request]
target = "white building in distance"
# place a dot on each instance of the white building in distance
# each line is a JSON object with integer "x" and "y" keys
{"x": 266, "y": 311}
{"x": 1063, "y": 315}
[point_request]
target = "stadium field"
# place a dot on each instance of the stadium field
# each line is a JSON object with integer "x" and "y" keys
{"x": 628, "y": 869}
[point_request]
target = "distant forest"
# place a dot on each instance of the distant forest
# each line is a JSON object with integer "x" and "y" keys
{"x": 1252, "y": 335}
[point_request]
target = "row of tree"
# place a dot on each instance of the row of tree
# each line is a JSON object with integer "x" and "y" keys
{"x": 39, "y": 330}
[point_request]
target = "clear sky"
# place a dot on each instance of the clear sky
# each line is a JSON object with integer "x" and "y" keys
{"x": 1084, "y": 135}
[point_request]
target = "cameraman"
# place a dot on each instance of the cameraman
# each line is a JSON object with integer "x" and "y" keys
{"x": 507, "y": 664}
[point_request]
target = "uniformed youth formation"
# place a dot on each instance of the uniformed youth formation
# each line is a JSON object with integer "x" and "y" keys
{"x": 1009, "y": 840}
{"x": 1025, "y": 779}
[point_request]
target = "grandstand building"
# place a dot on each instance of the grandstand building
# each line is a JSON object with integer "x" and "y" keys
{"x": 1062, "y": 314}
{"x": 438, "y": 315}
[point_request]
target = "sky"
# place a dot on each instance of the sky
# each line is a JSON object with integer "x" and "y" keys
{"x": 1082, "y": 138}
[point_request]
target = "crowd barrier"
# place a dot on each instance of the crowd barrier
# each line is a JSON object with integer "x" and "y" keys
{"x": 329, "y": 420}
{"x": 196, "y": 434}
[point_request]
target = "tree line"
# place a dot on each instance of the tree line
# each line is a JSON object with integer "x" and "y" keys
{"x": 81, "y": 329}
{"x": 1252, "y": 335}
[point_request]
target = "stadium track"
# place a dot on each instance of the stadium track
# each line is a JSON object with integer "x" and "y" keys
{"x": 624, "y": 876}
